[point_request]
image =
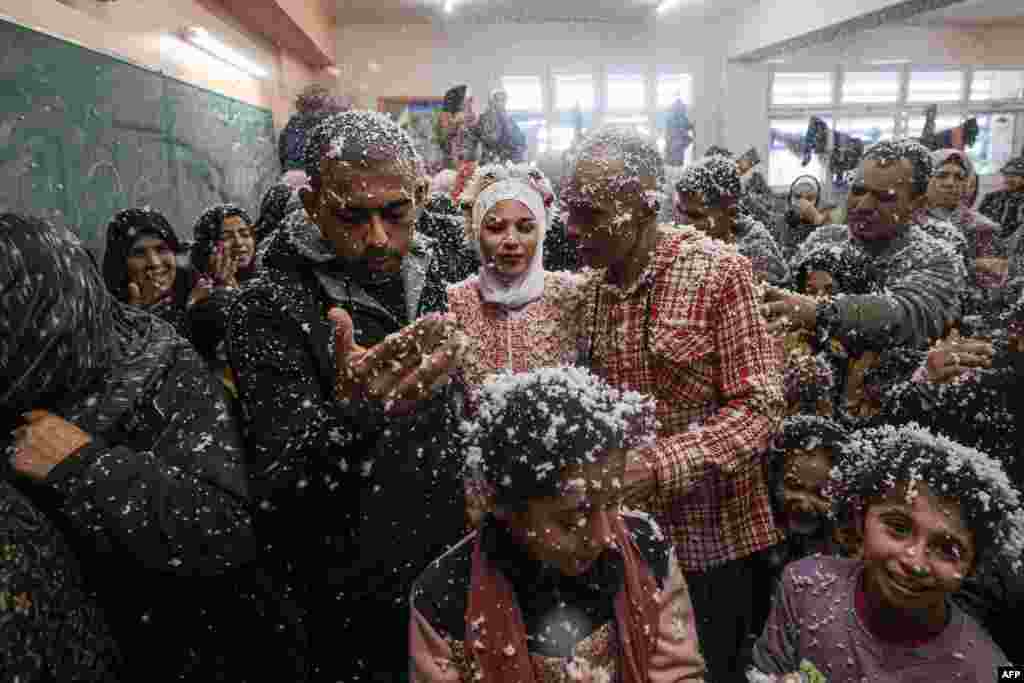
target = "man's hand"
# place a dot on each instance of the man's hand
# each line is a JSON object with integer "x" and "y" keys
{"x": 43, "y": 442}
{"x": 785, "y": 310}
{"x": 997, "y": 267}
{"x": 955, "y": 355}
{"x": 401, "y": 371}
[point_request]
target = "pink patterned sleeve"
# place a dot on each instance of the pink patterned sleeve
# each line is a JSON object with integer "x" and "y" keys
{"x": 677, "y": 657}
{"x": 430, "y": 656}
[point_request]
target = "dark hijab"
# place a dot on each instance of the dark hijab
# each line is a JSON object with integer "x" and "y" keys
{"x": 806, "y": 180}
{"x": 60, "y": 328}
{"x": 454, "y": 99}
{"x": 209, "y": 230}
{"x": 126, "y": 227}
{"x": 273, "y": 209}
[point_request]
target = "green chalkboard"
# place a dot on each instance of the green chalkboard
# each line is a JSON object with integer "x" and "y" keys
{"x": 84, "y": 135}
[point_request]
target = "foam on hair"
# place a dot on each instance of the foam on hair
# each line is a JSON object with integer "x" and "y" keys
{"x": 361, "y": 138}
{"x": 880, "y": 461}
{"x": 919, "y": 156}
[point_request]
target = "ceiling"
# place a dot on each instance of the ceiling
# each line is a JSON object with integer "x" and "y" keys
{"x": 522, "y": 11}
{"x": 976, "y": 12}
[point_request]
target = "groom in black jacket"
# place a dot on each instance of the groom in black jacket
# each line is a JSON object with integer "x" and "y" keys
{"x": 356, "y": 500}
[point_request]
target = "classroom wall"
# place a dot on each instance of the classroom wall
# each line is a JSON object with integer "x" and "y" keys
{"x": 427, "y": 59}
{"x": 137, "y": 30}
{"x": 773, "y": 21}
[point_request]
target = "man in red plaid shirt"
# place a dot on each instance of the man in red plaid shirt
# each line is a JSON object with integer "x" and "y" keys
{"x": 671, "y": 313}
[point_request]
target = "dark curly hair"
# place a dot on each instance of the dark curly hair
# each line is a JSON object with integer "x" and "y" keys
{"x": 878, "y": 461}
{"x": 849, "y": 268}
{"x": 919, "y": 156}
{"x": 360, "y": 137}
{"x": 530, "y": 426}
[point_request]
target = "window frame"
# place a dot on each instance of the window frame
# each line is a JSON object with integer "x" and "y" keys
{"x": 902, "y": 110}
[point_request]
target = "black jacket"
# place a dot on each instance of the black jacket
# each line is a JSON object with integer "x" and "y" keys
{"x": 351, "y": 514}
{"x": 52, "y": 630}
{"x": 157, "y": 509}
{"x": 442, "y": 221}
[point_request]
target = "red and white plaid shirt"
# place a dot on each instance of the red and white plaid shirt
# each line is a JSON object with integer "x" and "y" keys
{"x": 690, "y": 334}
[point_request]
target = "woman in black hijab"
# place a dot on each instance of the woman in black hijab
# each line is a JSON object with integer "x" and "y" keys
{"x": 142, "y": 266}
{"x": 273, "y": 209}
{"x": 803, "y": 214}
{"x": 223, "y": 256}
{"x": 124, "y": 441}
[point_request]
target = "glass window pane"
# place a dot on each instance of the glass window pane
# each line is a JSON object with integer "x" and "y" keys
{"x": 672, "y": 87}
{"x": 935, "y": 86}
{"x": 524, "y": 93}
{"x": 915, "y": 125}
{"x": 871, "y": 87}
{"x": 994, "y": 145}
{"x": 570, "y": 90}
{"x": 869, "y": 129}
{"x": 997, "y": 85}
{"x": 556, "y": 138}
{"x": 785, "y": 164}
{"x": 639, "y": 123}
{"x": 627, "y": 92}
{"x": 802, "y": 88}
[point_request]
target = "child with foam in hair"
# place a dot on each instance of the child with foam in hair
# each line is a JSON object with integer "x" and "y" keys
{"x": 930, "y": 512}
{"x": 557, "y": 584}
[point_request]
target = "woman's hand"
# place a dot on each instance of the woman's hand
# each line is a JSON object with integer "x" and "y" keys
{"x": 809, "y": 213}
{"x": 43, "y": 442}
{"x": 224, "y": 267}
{"x": 144, "y": 293}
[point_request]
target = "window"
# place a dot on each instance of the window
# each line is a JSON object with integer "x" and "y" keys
{"x": 871, "y": 87}
{"x": 570, "y": 90}
{"x": 994, "y": 145}
{"x": 556, "y": 138}
{"x": 915, "y": 125}
{"x": 785, "y": 163}
{"x": 524, "y": 93}
{"x": 672, "y": 87}
{"x": 532, "y": 126}
{"x": 929, "y": 87}
{"x": 869, "y": 129}
{"x": 802, "y": 89}
{"x": 627, "y": 92}
{"x": 639, "y": 123}
{"x": 997, "y": 85}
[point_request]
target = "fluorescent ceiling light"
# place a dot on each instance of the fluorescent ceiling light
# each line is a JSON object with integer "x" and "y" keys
{"x": 202, "y": 39}
{"x": 888, "y": 62}
{"x": 777, "y": 60}
{"x": 667, "y": 5}
{"x": 449, "y": 5}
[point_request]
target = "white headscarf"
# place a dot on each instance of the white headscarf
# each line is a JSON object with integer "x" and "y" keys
{"x": 522, "y": 289}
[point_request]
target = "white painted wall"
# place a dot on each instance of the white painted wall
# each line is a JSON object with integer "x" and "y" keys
{"x": 773, "y": 21}
{"x": 427, "y": 59}
{"x": 730, "y": 100}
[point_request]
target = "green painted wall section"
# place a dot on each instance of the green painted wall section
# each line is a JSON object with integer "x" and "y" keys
{"x": 83, "y": 135}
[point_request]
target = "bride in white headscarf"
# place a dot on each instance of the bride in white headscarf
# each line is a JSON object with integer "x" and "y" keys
{"x": 520, "y": 315}
{"x": 517, "y": 316}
